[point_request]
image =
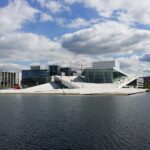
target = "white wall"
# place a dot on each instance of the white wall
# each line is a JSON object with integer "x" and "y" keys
{"x": 106, "y": 64}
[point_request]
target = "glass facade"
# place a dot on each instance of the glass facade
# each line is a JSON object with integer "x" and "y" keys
{"x": 54, "y": 70}
{"x": 101, "y": 75}
{"x": 118, "y": 75}
{"x": 34, "y": 77}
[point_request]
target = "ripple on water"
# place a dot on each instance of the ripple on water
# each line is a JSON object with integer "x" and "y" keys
{"x": 44, "y": 122}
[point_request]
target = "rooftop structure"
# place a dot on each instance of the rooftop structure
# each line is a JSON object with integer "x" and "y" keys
{"x": 106, "y": 65}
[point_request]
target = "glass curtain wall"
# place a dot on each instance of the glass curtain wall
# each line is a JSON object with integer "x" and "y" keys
{"x": 102, "y": 75}
{"x": 118, "y": 75}
{"x": 99, "y": 76}
{"x": 34, "y": 77}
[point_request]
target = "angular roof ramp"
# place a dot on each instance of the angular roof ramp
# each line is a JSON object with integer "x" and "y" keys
{"x": 127, "y": 80}
{"x": 66, "y": 81}
{"x": 118, "y": 70}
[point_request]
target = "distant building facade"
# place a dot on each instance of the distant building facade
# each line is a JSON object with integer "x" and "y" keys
{"x": 54, "y": 70}
{"x": 34, "y": 76}
{"x": 66, "y": 70}
{"x": 9, "y": 79}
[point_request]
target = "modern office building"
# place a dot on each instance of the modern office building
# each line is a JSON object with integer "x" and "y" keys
{"x": 54, "y": 70}
{"x": 9, "y": 79}
{"x": 66, "y": 70}
{"x": 34, "y": 76}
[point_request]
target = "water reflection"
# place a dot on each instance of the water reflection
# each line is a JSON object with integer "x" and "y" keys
{"x": 74, "y": 122}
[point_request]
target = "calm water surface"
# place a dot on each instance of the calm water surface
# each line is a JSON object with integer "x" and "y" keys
{"x": 44, "y": 122}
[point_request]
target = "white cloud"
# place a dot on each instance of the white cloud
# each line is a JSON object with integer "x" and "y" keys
{"x": 27, "y": 46}
{"x": 46, "y": 18}
{"x": 10, "y": 67}
{"x": 79, "y": 23}
{"x": 22, "y": 47}
{"x": 107, "y": 37}
{"x": 15, "y": 14}
{"x": 84, "y": 46}
{"x": 53, "y": 5}
{"x": 31, "y": 48}
{"x": 133, "y": 65}
{"x": 131, "y": 10}
{"x": 145, "y": 57}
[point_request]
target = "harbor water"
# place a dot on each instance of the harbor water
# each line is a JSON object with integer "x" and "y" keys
{"x": 46, "y": 122}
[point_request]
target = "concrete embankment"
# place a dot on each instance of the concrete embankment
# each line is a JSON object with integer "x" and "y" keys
{"x": 75, "y": 91}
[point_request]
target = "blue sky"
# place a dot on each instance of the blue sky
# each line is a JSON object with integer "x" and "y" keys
{"x": 53, "y": 29}
{"x": 73, "y": 32}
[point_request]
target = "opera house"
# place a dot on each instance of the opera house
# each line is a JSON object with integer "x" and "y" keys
{"x": 103, "y": 77}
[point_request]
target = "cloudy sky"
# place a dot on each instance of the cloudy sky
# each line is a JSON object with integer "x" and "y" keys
{"x": 74, "y": 32}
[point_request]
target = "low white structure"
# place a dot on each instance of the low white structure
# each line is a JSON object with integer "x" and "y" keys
{"x": 83, "y": 89}
{"x": 102, "y": 78}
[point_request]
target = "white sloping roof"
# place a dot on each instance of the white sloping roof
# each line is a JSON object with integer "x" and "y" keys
{"x": 120, "y": 71}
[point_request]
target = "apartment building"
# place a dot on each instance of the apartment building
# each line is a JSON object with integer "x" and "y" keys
{"x": 9, "y": 79}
